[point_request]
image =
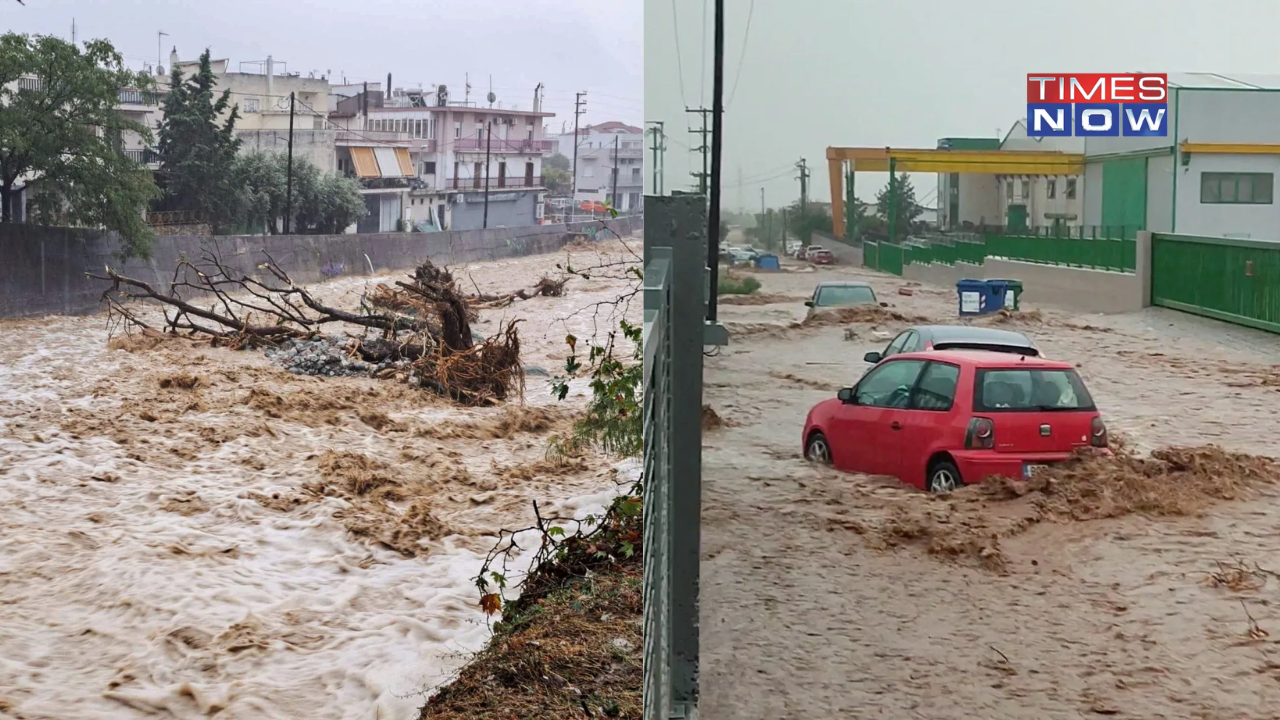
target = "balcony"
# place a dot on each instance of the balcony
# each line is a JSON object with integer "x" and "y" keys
{"x": 495, "y": 183}
{"x": 521, "y": 145}
{"x": 139, "y": 97}
{"x": 145, "y": 156}
{"x": 370, "y": 137}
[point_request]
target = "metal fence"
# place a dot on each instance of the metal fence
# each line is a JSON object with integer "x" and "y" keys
{"x": 675, "y": 331}
{"x": 1229, "y": 279}
{"x": 1094, "y": 248}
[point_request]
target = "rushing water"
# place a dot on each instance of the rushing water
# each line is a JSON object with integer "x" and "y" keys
{"x": 142, "y": 574}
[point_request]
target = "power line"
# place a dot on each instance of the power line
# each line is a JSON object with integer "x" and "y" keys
{"x": 675, "y": 25}
{"x": 741, "y": 56}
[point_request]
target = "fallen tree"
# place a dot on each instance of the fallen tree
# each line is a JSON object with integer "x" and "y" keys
{"x": 422, "y": 327}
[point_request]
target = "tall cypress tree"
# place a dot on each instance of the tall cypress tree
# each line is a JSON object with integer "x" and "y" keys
{"x": 197, "y": 148}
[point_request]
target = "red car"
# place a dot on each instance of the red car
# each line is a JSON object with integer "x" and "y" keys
{"x": 943, "y": 418}
{"x": 820, "y": 257}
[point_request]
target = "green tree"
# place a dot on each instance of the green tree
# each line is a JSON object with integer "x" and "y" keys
{"x": 802, "y": 223}
{"x": 906, "y": 209}
{"x": 197, "y": 147}
{"x": 61, "y": 135}
{"x": 323, "y": 203}
{"x": 557, "y": 181}
{"x": 557, "y": 162}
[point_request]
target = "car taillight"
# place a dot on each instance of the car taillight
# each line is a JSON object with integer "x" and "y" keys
{"x": 980, "y": 434}
{"x": 1098, "y": 436}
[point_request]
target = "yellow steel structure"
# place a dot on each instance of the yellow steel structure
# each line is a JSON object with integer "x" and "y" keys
{"x": 1229, "y": 148}
{"x": 987, "y": 162}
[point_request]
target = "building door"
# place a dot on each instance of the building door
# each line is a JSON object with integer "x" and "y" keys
{"x": 1017, "y": 217}
{"x": 478, "y": 175}
{"x": 502, "y": 173}
{"x": 528, "y": 174}
{"x": 456, "y": 184}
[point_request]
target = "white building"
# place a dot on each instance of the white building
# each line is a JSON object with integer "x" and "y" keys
{"x": 603, "y": 148}
{"x": 1039, "y": 201}
{"x": 442, "y": 179}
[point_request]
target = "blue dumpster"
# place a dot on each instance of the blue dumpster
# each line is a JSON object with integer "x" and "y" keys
{"x": 981, "y": 297}
{"x": 767, "y": 261}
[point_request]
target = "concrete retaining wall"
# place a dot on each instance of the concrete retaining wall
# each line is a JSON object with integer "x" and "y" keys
{"x": 43, "y": 268}
{"x": 1092, "y": 291}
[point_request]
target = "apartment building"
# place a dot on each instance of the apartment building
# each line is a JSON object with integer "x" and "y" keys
{"x": 602, "y": 149}
{"x": 433, "y": 153}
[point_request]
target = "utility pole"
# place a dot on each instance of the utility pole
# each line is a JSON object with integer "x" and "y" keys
{"x": 717, "y": 148}
{"x": 488, "y": 143}
{"x": 288, "y": 183}
{"x": 614, "y": 193}
{"x": 703, "y": 147}
{"x": 804, "y": 183}
{"x": 768, "y": 241}
{"x": 579, "y": 107}
{"x": 659, "y": 151}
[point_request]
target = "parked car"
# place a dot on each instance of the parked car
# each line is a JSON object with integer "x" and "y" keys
{"x": 937, "y": 420}
{"x": 820, "y": 257}
{"x": 842, "y": 294}
{"x": 956, "y": 337}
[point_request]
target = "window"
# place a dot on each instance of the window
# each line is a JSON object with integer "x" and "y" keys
{"x": 888, "y": 385}
{"x": 1008, "y": 191}
{"x": 1026, "y": 189}
{"x": 937, "y": 388}
{"x": 635, "y": 175}
{"x": 1071, "y": 188}
{"x": 429, "y": 168}
{"x": 1051, "y": 188}
{"x": 588, "y": 170}
{"x": 1236, "y": 188}
{"x": 1016, "y": 390}
{"x": 912, "y": 343}
{"x": 895, "y": 347}
{"x": 529, "y": 129}
{"x": 478, "y": 174}
{"x": 417, "y": 128}
{"x": 251, "y": 105}
{"x": 844, "y": 296}
{"x": 457, "y": 129}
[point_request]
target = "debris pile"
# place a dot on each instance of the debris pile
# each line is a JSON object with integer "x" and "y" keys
{"x": 418, "y": 331}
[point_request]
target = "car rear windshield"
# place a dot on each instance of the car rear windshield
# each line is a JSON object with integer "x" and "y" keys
{"x": 837, "y": 296}
{"x": 1029, "y": 390}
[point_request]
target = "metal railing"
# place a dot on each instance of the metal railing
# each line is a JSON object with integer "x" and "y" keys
{"x": 131, "y": 96}
{"x": 657, "y": 480}
{"x": 521, "y": 145}
{"x": 676, "y": 279}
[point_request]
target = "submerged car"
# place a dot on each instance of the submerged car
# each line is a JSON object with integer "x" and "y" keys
{"x": 938, "y": 420}
{"x": 956, "y": 337}
{"x": 842, "y": 294}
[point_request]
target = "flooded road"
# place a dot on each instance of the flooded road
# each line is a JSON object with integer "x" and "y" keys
{"x": 177, "y": 540}
{"x": 810, "y": 608}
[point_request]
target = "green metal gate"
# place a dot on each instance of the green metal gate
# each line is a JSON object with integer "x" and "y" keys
{"x": 1124, "y": 193}
{"x": 1231, "y": 279}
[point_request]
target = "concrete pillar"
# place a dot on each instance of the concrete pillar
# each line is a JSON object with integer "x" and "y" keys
{"x": 1142, "y": 266}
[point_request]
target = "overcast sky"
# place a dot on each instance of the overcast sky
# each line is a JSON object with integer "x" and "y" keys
{"x": 568, "y": 45}
{"x": 907, "y": 72}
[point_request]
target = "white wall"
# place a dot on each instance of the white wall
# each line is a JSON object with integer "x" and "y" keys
{"x": 1122, "y": 144}
{"x": 1092, "y": 193}
{"x": 1228, "y": 116}
{"x": 1255, "y": 221}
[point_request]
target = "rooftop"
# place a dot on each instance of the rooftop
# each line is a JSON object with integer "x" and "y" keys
{"x": 1239, "y": 81}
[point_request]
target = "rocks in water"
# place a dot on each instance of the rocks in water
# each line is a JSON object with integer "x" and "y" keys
{"x": 535, "y": 370}
{"x": 323, "y": 356}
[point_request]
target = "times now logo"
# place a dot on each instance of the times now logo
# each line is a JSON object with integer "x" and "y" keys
{"x": 1097, "y": 105}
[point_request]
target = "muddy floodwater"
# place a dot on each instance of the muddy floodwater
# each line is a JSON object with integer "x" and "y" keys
{"x": 177, "y": 539}
{"x": 811, "y": 609}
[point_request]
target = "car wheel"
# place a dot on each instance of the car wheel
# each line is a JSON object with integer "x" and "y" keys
{"x": 818, "y": 450}
{"x": 943, "y": 477}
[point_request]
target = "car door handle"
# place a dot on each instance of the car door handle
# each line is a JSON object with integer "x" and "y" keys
{"x": 895, "y": 425}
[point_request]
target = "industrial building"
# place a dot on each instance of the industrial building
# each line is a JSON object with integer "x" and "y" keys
{"x": 1214, "y": 174}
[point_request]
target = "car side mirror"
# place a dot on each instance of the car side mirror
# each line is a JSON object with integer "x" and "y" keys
{"x": 845, "y": 395}
{"x": 808, "y": 303}
{"x": 872, "y": 357}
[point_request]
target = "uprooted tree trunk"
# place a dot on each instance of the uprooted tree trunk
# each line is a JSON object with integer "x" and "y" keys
{"x": 546, "y": 287}
{"x": 426, "y": 322}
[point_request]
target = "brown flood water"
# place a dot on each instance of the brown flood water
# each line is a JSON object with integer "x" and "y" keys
{"x": 161, "y": 556}
{"x": 806, "y": 614}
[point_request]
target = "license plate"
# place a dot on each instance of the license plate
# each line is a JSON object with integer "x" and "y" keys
{"x": 1029, "y": 471}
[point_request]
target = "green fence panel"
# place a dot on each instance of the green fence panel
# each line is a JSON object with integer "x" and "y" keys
{"x": 1230, "y": 279}
{"x": 1098, "y": 253}
{"x": 871, "y": 255}
{"x": 891, "y": 258}
{"x": 972, "y": 251}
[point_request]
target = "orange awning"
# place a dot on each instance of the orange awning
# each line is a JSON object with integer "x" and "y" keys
{"x": 406, "y": 163}
{"x": 363, "y": 161}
